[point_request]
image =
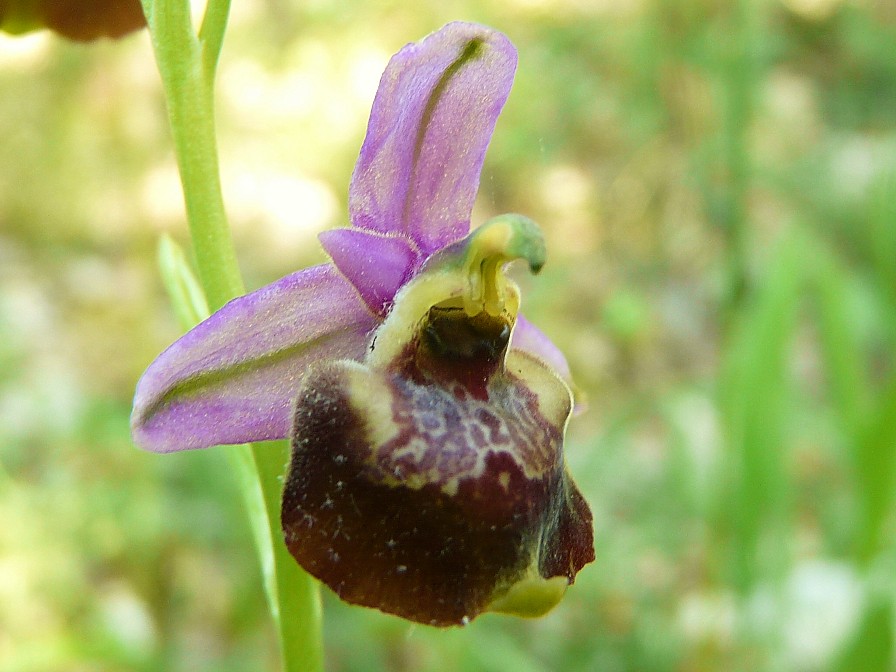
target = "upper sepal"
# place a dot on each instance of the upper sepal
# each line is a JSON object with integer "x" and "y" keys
{"x": 431, "y": 122}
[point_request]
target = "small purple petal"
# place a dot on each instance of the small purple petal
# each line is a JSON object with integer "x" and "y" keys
{"x": 430, "y": 125}
{"x": 529, "y": 338}
{"x": 233, "y": 378}
{"x": 375, "y": 264}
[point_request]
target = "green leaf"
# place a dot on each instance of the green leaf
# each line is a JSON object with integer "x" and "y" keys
{"x": 882, "y": 232}
{"x": 754, "y": 396}
{"x": 181, "y": 284}
{"x": 841, "y": 345}
{"x": 871, "y": 647}
{"x": 868, "y": 420}
{"x": 876, "y": 474}
{"x": 293, "y": 596}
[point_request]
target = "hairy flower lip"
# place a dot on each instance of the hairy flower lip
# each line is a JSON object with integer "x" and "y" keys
{"x": 435, "y": 467}
{"x": 442, "y": 535}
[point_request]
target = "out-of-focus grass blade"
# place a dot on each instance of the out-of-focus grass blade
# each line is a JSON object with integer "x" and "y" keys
{"x": 754, "y": 399}
{"x": 875, "y": 463}
{"x": 868, "y": 421}
{"x": 882, "y": 233}
{"x": 841, "y": 345}
{"x": 871, "y": 647}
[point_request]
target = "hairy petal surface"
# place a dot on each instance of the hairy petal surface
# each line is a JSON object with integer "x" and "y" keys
{"x": 431, "y": 122}
{"x": 233, "y": 378}
{"x": 376, "y": 264}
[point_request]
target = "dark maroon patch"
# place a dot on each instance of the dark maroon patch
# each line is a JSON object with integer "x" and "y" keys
{"x": 465, "y": 496}
{"x": 568, "y": 543}
{"x": 422, "y": 554}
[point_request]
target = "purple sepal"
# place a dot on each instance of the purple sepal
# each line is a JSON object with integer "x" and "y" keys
{"x": 529, "y": 338}
{"x": 233, "y": 378}
{"x": 376, "y": 264}
{"x": 432, "y": 118}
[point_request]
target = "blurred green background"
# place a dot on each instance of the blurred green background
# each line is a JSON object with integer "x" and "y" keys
{"x": 717, "y": 182}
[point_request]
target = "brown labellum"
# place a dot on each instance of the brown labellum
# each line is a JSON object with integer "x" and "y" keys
{"x": 435, "y": 488}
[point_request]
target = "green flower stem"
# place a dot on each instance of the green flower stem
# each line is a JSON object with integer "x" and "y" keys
{"x": 187, "y": 69}
{"x": 187, "y": 64}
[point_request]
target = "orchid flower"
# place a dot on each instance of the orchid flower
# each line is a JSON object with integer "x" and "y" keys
{"x": 426, "y": 416}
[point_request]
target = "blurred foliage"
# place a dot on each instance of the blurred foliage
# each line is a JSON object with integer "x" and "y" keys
{"x": 718, "y": 186}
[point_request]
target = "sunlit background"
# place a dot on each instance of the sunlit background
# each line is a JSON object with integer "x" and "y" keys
{"x": 717, "y": 182}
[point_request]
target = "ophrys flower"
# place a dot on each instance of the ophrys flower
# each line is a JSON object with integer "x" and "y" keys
{"x": 426, "y": 416}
